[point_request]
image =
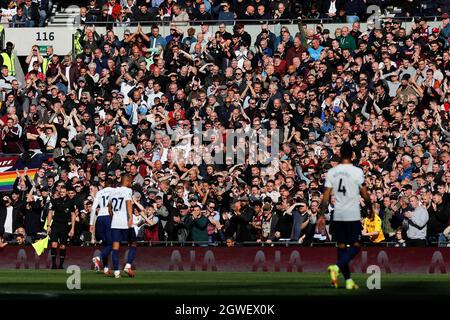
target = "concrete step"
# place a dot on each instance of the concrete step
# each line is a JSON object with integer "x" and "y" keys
{"x": 64, "y": 18}
{"x": 72, "y": 9}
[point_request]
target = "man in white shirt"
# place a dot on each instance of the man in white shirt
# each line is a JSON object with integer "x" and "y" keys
{"x": 100, "y": 225}
{"x": 347, "y": 184}
{"x": 415, "y": 224}
{"x": 5, "y": 81}
{"x": 271, "y": 192}
{"x": 165, "y": 148}
{"x": 8, "y": 219}
{"x": 120, "y": 207}
{"x": 157, "y": 93}
{"x": 49, "y": 136}
{"x": 332, "y": 9}
{"x": 207, "y": 35}
{"x": 128, "y": 83}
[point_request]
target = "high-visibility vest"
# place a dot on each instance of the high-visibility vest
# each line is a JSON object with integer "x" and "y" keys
{"x": 10, "y": 63}
{"x": 45, "y": 62}
{"x": 77, "y": 45}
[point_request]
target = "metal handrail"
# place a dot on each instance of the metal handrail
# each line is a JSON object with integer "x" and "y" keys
{"x": 293, "y": 21}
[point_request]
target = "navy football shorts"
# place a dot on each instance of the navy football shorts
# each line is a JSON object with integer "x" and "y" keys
{"x": 123, "y": 235}
{"x": 346, "y": 232}
{"x": 103, "y": 229}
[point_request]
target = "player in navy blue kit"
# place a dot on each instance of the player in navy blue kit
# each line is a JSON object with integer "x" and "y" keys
{"x": 120, "y": 207}
{"x": 100, "y": 223}
{"x": 346, "y": 182}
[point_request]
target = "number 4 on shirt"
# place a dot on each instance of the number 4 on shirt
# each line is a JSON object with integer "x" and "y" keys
{"x": 341, "y": 188}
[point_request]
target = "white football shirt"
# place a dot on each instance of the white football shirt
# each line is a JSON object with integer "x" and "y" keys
{"x": 345, "y": 180}
{"x": 101, "y": 202}
{"x": 118, "y": 199}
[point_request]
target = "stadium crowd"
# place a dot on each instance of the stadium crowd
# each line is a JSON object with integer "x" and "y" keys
{"x": 32, "y": 13}
{"x": 25, "y": 13}
{"x": 131, "y": 103}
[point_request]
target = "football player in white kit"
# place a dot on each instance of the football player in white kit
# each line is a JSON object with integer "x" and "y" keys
{"x": 102, "y": 226}
{"x": 120, "y": 207}
{"x": 347, "y": 184}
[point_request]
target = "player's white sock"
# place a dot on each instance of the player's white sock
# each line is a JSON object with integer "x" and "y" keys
{"x": 105, "y": 269}
{"x": 128, "y": 266}
{"x": 117, "y": 273}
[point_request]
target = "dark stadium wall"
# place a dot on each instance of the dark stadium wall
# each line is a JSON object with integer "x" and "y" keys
{"x": 242, "y": 259}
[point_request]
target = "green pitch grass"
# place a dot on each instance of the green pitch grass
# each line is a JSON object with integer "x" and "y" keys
{"x": 17, "y": 284}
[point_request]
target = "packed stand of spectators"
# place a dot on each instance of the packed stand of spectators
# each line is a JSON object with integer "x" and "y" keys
{"x": 25, "y": 13}
{"x": 127, "y": 12}
{"x": 129, "y": 103}
{"x": 35, "y": 13}
{"x": 183, "y": 12}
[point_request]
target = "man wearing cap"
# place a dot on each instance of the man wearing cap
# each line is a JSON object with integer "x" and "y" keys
{"x": 175, "y": 34}
{"x": 177, "y": 227}
{"x": 393, "y": 84}
{"x": 301, "y": 220}
{"x": 406, "y": 89}
{"x": 81, "y": 88}
{"x": 60, "y": 152}
{"x": 399, "y": 33}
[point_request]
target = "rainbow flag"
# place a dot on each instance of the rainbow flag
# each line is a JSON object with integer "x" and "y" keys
{"x": 7, "y": 178}
{"x": 9, "y": 163}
